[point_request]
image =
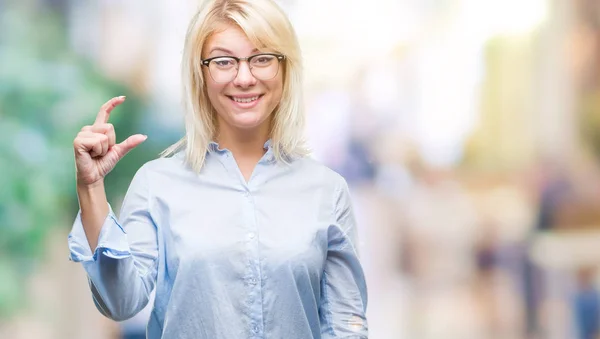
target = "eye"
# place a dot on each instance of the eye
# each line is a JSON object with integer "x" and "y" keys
{"x": 224, "y": 62}
{"x": 262, "y": 60}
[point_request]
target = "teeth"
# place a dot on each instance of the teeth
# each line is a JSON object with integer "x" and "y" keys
{"x": 245, "y": 100}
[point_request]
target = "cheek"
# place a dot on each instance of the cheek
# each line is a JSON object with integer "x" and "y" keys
{"x": 212, "y": 88}
{"x": 214, "y": 92}
{"x": 276, "y": 88}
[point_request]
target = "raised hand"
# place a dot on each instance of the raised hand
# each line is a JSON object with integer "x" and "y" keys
{"x": 96, "y": 150}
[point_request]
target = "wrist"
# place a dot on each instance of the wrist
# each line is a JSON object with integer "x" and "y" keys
{"x": 87, "y": 187}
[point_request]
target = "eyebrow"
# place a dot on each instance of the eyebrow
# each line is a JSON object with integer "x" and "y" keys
{"x": 226, "y": 51}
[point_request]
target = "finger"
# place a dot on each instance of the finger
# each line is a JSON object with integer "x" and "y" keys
{"x": 112, "y": 137}
{"x": 86, "y": 128}
{"x": 85, "y": 134}
{"x": 108, "y": 130}
{"x": 128, "y": 144}
{"x": 105, "y": 110}
{"x": 96, "y": 144}
{"x": 82, "y": 144}
{"x": 83, "y": 139}
{"x": 96, "y": 150}
{"x": 104, "y": 144}
{"x": 89, "y": 144}
{"x": 89, "y": 135}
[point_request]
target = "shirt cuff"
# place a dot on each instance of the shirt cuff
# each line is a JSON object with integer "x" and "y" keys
{"x": 112, "y": 241}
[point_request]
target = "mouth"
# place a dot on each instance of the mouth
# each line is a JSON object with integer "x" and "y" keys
{"x": 245, "y": 102}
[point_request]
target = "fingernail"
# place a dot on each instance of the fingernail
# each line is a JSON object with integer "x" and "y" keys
{"x": 122, "y": 97}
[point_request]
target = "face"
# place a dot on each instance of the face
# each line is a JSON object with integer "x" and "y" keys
{"x": 245, "y": 103}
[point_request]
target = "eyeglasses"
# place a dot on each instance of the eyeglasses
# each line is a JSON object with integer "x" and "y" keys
{"x": 264, "y": 66}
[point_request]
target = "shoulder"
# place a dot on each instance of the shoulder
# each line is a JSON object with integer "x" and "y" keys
{"x": 162, "y": 175}
{"x": 164, "y": 167}
{"x": 175, "y": 162}
{"x": 317, "y": 171}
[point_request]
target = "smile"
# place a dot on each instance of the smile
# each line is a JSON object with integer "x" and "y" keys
{"x": 245, "y": 100}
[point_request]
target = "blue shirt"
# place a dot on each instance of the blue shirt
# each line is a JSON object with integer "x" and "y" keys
{"x": 273, "y": 257}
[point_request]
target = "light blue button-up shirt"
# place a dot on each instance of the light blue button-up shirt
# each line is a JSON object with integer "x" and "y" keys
{"x": 273, "y": 257}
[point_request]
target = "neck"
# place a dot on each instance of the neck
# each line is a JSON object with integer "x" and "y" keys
{"x": 244, "y": 143}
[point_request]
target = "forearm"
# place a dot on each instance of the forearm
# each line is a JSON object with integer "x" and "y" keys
{"x": 120, "y": 290}
{"x": 94, "y": 210}
{"x": 118, "y": 286}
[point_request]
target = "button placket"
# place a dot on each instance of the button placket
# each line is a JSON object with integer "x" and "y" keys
{"x": 254, "y": 295}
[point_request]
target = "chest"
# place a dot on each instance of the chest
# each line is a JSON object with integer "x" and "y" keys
{"x": 231, "y": 228}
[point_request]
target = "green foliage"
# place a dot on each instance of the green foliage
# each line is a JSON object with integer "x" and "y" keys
{"x": 47, "y": 93}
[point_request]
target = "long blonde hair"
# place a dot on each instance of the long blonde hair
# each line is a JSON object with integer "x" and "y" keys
{"x": 266, "y": 26}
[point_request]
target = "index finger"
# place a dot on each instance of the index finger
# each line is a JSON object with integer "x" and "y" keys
{"x": 105, "y": 110}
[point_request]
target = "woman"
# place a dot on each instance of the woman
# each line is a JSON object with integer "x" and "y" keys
{"x": 242, "y": 235}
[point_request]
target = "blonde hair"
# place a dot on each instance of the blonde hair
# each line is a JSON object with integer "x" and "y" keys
{"x": 266, "y": 26}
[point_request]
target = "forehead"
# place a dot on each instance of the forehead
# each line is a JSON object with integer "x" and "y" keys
{"x": 231, "y": 38}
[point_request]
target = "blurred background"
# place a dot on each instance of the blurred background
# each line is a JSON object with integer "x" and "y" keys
{"x": 468, "y": 130}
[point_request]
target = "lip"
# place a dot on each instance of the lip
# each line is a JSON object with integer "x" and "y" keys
{"x": 246, "y": 95}
{"x": 245, "y": 105}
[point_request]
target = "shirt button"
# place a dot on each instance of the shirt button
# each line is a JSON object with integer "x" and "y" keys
{"x": 253, "y": 281}
{"x": 254, "y": 328}
{"x": 246, "y": 194}
{"x": 251, "y": 235}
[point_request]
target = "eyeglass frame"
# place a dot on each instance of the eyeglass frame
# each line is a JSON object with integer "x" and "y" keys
{"x": 206, "y": 62}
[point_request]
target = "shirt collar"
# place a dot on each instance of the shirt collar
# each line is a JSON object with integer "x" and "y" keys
{"x": 213, "y": 147}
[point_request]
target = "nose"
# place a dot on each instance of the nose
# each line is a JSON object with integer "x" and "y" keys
{"x": 244, "y": 76}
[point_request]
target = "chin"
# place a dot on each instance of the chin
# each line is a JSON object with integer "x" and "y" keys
{"x": 248, "y": 120}
{"x": 245, "y": 116}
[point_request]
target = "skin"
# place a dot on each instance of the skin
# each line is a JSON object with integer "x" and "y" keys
{"x": 96, "y": 154}
{"x": 241, "y": 130}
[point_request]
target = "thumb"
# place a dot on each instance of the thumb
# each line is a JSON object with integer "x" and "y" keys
{"x": 128, "y": 144}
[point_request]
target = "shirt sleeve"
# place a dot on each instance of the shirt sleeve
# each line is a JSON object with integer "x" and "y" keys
{"x": 122, "y": 270}
{"x": 343, "y": 286}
